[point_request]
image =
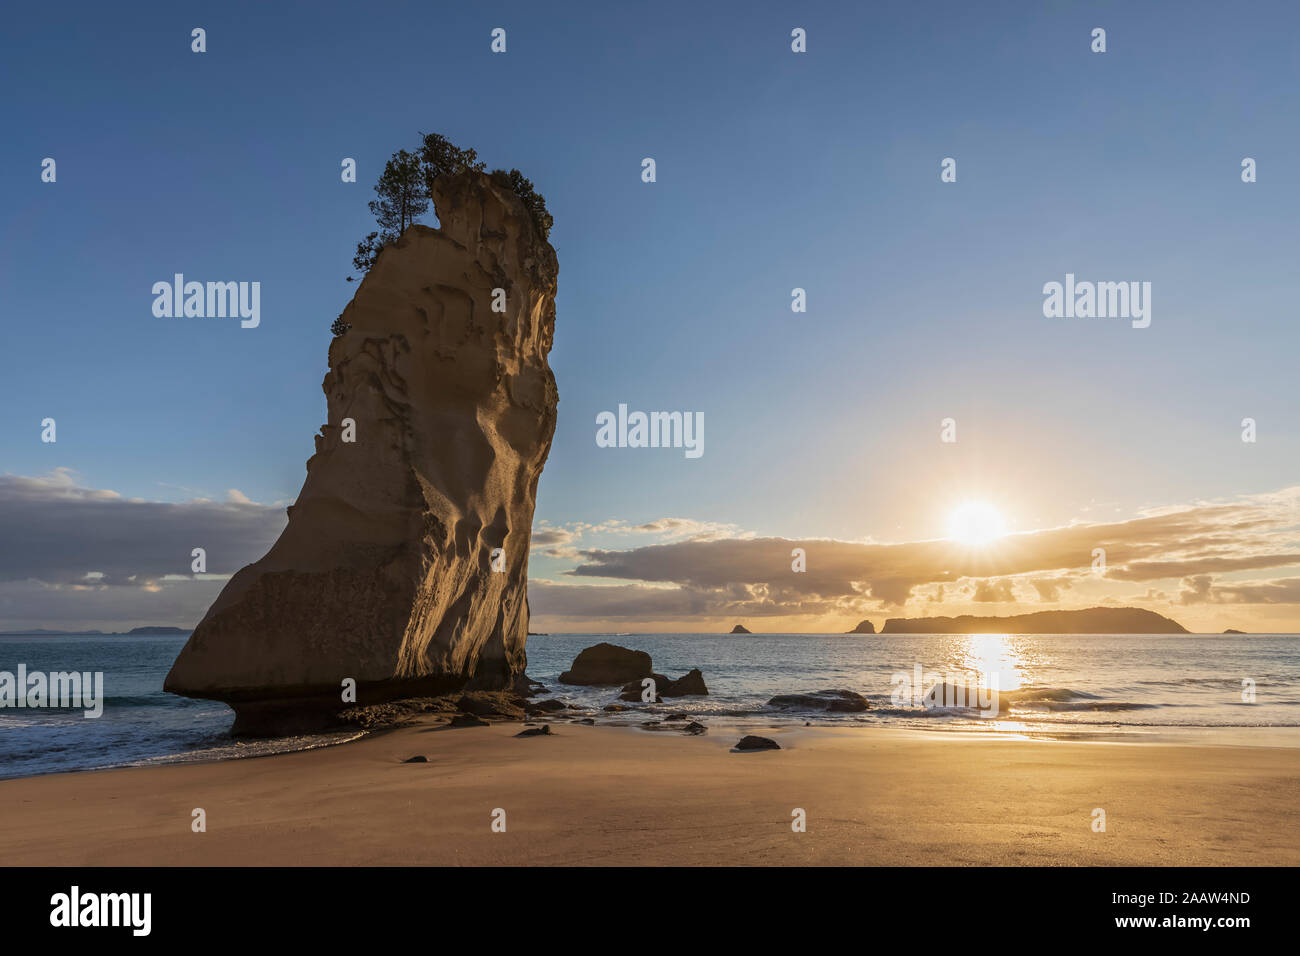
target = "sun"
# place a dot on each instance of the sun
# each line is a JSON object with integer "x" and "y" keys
{"x": 976, "y": 523}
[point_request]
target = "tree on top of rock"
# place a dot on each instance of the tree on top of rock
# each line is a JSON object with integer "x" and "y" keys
{"x": 533, "y": 201}
{"x": 403, "y": 195}
{"x": 439, "y": 157}
{"x": 406, "y": 187}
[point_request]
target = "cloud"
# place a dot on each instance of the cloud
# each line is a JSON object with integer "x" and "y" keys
{"x": 558, "y": 542}
{"x": 1190, "y": 567}
{"x": 668, "y": 529}
{"x": 57, "y": 532}
{"x": 1201, "y": 589}
{"x": 687, "y": 527}
{"x": 79, "y": 556}
{"x": 33, "y": 604}
{"x": 1049, "y": 589}
{"x": 551, "y": 537}
{"x": 752, "y": 575}
{"x": 643, "y": 602}
{"x": 998, "y": 592}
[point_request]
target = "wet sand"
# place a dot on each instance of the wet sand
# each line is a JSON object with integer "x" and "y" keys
{"x": 617, "y": 796}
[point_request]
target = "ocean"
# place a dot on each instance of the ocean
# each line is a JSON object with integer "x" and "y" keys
{"x": 1130, "y": 687}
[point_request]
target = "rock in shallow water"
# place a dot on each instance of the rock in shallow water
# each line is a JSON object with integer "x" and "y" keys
{"x": 606, "y": 663}
{"x": 633, "y": 691}
{"x": 385, "y": 572}
{"x": 834, "y": 701}
{"x": 691, "y": 684}
{"x": 756, "y": 743}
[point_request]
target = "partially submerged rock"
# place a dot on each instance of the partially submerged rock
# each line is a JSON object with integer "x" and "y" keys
{"x": 606, "y": 663}
{"x": 977, "y": 697}
{"x": 635, "y": 691}
{"x": 752, "y": 742}
{"x": 689, "y": 685}
{"x": 403, "y": 567}
{"x": 535, "y": 732}
{"x": 832, "y": 701}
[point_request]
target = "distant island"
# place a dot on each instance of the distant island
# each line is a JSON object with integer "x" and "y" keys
{"x": 159, "y": 630}
{"x": 1232, "y": 630}
{"x": 864, "y": 627}
{"x": 741, "y": 629}
{"x": 1093, "y": 620}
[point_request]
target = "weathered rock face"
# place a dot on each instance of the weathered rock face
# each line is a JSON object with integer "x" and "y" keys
{"x": 385, "y": 573}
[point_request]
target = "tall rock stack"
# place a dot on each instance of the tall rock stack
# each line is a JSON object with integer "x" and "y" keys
{"x": 386, "y": 572}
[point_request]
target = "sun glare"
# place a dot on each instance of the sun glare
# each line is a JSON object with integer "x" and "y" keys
{"x": 976, "y": 523}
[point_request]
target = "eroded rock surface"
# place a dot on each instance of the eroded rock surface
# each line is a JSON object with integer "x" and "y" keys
{"x": 385, "y": 573}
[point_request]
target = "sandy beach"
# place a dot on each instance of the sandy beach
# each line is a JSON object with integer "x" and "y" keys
{"x": 593, "y": 795}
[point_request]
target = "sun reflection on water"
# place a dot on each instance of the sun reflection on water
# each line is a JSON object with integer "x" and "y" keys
{"x": 999, "y": 660}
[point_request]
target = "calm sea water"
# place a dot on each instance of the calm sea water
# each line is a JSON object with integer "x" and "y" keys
{"x": 1133, "y": 686}
{"x": 140, "y": 724}
{"x": 1054, "y": 685}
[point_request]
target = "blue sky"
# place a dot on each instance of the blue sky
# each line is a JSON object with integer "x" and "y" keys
{"x": 775, "y": 170}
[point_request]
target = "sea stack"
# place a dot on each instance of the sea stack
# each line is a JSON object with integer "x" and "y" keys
{"x": 441, "y": 413}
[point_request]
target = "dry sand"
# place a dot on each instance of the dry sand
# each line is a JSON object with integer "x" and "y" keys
{"x": 609, "y": 795}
